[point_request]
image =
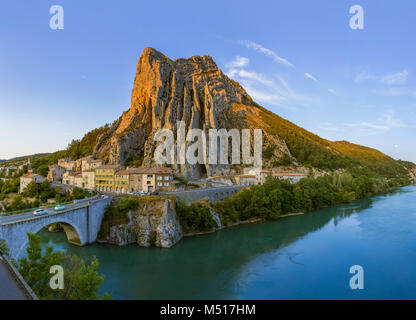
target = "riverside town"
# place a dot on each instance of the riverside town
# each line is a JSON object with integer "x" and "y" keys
{"x": 177, "y": 154}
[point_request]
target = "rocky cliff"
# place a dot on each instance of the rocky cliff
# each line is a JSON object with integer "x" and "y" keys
{"x": 153, "y": 223}
{"x": 166, "y": 91}
{"x": 197, "y": 92}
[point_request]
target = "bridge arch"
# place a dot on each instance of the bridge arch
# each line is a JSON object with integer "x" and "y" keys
{"x": 73, "y": 232}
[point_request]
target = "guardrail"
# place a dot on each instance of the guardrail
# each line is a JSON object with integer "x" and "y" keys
{"x": 17, "y": 277}
{"x": 50, "y": 206}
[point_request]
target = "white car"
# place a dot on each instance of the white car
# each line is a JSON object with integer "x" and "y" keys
{"x": 39, "y": 212}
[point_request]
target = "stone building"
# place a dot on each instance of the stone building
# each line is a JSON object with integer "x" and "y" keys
{"x": 67, "y": 163}
{"x": 55, "y": 173}
{"x": 88, "y": 177}
{"x": 105, "y": 178}
{"x": 245, "y": 179}
{"x": 260, "y": 174}
{"x": 91, "y": 164}
{"x": 157, "y": 179}
{"x": 28, "y": 178}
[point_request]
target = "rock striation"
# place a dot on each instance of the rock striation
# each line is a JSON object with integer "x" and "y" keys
{"x": 166, "y": 91}
{"x": 153, "y": 223}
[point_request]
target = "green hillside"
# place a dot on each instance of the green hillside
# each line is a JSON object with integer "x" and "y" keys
{"x": 311, "y": 150}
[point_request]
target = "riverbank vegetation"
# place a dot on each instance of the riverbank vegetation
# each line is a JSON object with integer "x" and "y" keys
{"x": 196, "y": 217}
{"x": 35, "y": 195}
{"x": 81, "y": 279}
{"x": 276, "y": 197}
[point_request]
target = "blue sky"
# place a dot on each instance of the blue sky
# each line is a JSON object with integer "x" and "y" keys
{"x": 299, "y": 59}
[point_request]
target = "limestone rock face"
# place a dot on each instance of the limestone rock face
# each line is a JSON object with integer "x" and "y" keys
{"x": 155, "y": 223}
{"x": 122, "y": 234}
{"x": 166, "y": 91}
{"x": 412, "y": 174}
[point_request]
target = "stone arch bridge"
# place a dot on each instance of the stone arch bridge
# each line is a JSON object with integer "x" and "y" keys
{"x": 81, "y": 222}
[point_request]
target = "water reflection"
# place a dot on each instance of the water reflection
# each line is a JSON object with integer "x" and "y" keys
{"x": 220, "y": 265}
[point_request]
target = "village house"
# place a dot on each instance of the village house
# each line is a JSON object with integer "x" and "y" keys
{"x": 136, "y": 180}
{"x": 245, "y": 179}
{"x": 105, "y": 178}
{"x": 260, "y": 174}
{"x": 88, "y": 177}
{"x": 290, "y": 176}
{"x": 122, "y": 181}
{"x": 55, "y": 173}
{"x": 91, "y": 164}
{"x": 78, "y": 180}
{"x": 67, "y": 163}
{"x": 157, "y": 179}
{"x": 28, "y": 178}
{"x": 68, "y": 178}
{"x": 81, "y": 163}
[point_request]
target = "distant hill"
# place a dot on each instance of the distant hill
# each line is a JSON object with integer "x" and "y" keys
{"x": 23, "y": 158}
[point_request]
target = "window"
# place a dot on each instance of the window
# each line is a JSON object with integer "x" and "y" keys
{"x": 159, "y": 184}
{"x": 166, "y": 184}
{"x": 166, "y": 177}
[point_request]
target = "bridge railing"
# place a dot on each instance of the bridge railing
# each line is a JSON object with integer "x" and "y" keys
{"x": 48, "y": 206}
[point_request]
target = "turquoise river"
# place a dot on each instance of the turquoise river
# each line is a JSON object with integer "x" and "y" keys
{"x": 300, "y": 257}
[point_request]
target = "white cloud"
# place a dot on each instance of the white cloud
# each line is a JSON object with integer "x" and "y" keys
{"x": 259, "y": 48}
{"x": 396, "y": 78}
{"x": 238, "y": 62}
{"x": 384, "y": 123}
{"x": 390, "y": 79}
{"x": 309, "y": 76}
{"x": 399, "y": 92}
{"x": 364, "y": 76}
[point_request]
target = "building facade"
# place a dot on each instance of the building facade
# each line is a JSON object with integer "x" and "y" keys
{"x": 105, "y": 178}
{"x": 67, "y": 163}
{"x": 261, "y": 175}
{"x": 91, "y": 164}
{"x": 157, "y": 179}
{"x": 28, "y": 178}
{"x": 55, "y": 173}
{"x": 245, "y": 179}
{"x": 88, "y": 177}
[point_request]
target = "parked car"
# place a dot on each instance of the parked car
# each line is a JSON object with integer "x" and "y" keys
{"x": 39, "y": 212}
{"x": 155, "y": 193}
{"x": 59, "y": 207}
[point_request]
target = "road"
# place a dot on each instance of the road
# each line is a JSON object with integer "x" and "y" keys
{"x": 30, "y": 216}
{"x": 10, "y": 290}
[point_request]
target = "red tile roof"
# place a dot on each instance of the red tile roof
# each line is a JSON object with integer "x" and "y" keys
{"x": 245, "y": 176}
{"x": 289, "y": 174}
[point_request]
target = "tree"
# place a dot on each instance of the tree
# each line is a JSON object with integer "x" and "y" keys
{"x": 46, "y": 191}
{"x": 31, "y": 190}
{"x": 4, "y": 250}
{"x": 81, "y": 280}
{"x": 43, "y": 170}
